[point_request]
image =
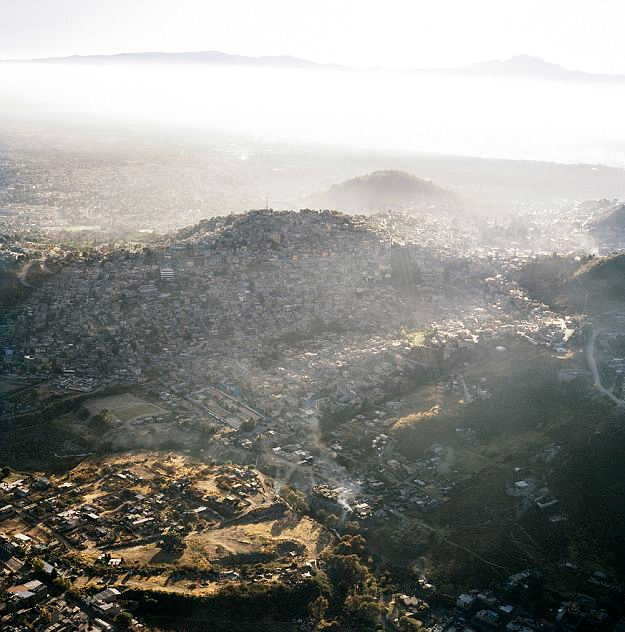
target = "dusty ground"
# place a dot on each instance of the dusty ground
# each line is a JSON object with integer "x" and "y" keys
{"x": 215, "y": 544}
{"x": 228, "y": 546}
{"x": 125, "y": 407}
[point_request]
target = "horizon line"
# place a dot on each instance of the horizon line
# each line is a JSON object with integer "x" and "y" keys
{"x": 295, "y": 59}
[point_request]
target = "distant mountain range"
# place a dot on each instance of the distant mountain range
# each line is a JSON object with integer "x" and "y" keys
{"x": 199, "y": 57}
{"x": 381, "y": 191}
{"x": 533, "y": 67}
{"x": 517, "y": 66}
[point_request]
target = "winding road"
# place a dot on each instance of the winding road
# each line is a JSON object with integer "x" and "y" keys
{"x": 592, "y": 363}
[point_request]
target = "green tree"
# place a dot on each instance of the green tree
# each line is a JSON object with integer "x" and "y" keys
{"x": 407, "y": 624}
{"x": 364, "y": 608}
{"x": 62, "y": 583}
{"x": 332, "y": 521}
{"x": 37, "y": 564}
{"x": 352, "y": 527}
{"x": 102, "y": 421}
{"x": 247, "y": 426}
{"x": 123, "y": 620}
{"x": 172, "y": 542}
{"x": 295, "y": 499}
{"x": 352, "y": 544}
{"x": 346, "y": 571}
{"x": 317, "y": 609}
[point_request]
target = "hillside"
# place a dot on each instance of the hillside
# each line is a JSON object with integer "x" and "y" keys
{"x": 602, "y": 280}
{"x": 381, "y": 191}
{"x": 590, "y": 286}
{"x": 611, "y": 221}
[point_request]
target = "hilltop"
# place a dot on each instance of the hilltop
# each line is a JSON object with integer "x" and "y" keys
{"x": 381, "y": 191}
{"x": 266, "y": 229}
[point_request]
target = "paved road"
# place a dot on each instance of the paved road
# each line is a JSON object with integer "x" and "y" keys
{"x": 592, "y": 362}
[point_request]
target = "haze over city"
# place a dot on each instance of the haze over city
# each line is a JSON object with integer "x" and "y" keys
{"x": 519, "y": 115}
{"x": 312, "y": 316}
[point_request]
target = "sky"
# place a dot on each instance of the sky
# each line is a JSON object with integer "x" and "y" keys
{"x": 579, "y": 34}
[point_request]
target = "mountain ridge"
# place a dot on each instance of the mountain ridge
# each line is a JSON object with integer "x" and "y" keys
{"x": 535, "y": 67}
{"x": 208, "y": 57}
{"x": 516, "y": 66}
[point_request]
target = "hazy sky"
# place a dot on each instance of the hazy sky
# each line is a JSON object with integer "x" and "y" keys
{"x": 581, "y": 34}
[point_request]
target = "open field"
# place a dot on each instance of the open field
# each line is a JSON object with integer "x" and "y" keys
{"x": 10, "y": 385}
{"x": 262, "y": 541}
{"x": 124, "y": 407}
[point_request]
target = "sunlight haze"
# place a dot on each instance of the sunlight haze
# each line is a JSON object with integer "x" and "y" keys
{"x": 362, "y": 33}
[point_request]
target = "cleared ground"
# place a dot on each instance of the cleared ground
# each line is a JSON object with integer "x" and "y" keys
{"x": 125, "y": 407}
{"x": 260, "y": 531}
{"x": 9, "y": 385}
{"x": 229, "y": 546}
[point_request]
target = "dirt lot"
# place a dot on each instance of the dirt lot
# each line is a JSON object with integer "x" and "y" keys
{"x": 261, "y": 537}
{"x": 124, "y": 407}
{"x": 228, "y": 546}
{"x": 257, "y": 534}
{"x": 161, "y": 581}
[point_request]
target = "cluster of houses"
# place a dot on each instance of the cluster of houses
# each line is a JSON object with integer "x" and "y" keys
{"x": 122, "y": 501}
{"x": 504, "y": 607}
{"x": 235, "y": 291}
{"x": 125, "y": 506}
{"x": 33, "y": 577}
{"x": 264, "y": 319}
